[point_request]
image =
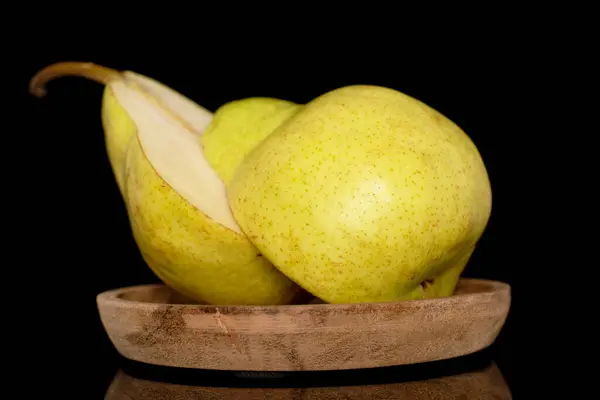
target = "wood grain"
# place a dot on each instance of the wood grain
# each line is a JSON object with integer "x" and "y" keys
{"x": 152, "y": 324}
{"x": 484, "y": 384}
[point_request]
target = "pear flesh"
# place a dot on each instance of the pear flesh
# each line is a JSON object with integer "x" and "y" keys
{"x": 365, "y": 195}
{"x": 176, "y": 202}
{"x": 194, "y": 116}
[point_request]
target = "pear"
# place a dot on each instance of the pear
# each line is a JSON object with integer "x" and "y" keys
{"x": 239, "y": 126}
{"x": 365, "y": 195}
{"x": 176, "y": 203}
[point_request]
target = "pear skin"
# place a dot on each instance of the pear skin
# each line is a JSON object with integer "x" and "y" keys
{"x": 365, "y": 195}
{"x": 239, "y": 126}
{"x": 119, "y": 129}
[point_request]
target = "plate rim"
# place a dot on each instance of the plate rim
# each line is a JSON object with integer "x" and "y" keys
{"x": 111, "y": 297}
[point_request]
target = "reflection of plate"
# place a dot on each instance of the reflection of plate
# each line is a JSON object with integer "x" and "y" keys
{"x": 482, "y": 384}
{"x": 148, "y": 324}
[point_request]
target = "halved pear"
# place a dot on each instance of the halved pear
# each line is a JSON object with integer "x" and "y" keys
{"x": 176, "y": 203}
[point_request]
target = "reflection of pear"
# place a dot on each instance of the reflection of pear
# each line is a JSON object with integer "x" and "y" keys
{"x": 238, "y": 126}
{"x": 175, "y": 201}
{"x": 484, "y": 384}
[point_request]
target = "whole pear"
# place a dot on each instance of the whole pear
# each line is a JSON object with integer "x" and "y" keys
{"x": 365, "y": 195}
{"x": 238, "y": 126}
{"x": 176, "y": 203}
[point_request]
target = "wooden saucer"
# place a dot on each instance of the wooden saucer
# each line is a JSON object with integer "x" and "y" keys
{"x": 153, "y": 324}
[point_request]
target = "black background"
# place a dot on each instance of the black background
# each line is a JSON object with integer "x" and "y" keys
{"x": 88, "y": 232}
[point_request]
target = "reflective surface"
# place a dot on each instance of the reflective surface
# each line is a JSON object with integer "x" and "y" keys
{"x": 471, "y": 377}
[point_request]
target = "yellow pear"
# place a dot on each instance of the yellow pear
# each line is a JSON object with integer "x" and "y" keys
{"x": 238, "y": 126}
{"x": 365, "y": 195}
{"x": 176, "y": 202}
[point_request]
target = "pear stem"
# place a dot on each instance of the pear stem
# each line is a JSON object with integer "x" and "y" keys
{"x": 98, "y": 73}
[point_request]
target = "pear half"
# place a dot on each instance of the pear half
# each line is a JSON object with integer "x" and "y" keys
{"x": 365, "y": 195}
{"x": 176, "y": 202}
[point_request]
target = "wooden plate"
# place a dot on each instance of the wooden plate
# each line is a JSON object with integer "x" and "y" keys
{"x": 153, "y": 324}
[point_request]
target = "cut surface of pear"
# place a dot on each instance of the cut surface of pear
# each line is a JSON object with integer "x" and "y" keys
{"x": 238, "y": 127}
{"x": 174, "y": 153}
{"x": 176, "y": 203}
{"x": 364, "y": 195}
